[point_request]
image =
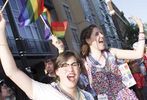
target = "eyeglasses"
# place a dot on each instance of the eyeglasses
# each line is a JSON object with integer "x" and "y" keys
{"x": 74, "y": 65}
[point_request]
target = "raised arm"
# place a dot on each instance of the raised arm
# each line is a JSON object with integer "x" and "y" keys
{"x": 9, "y": 65}
{"x": 138, "y": 52}
{"x": 58, "y": 44}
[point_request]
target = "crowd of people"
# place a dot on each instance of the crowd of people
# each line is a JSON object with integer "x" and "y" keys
{"x": 92, "y": 75}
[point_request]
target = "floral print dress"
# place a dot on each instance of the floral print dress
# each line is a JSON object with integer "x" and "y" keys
{"x": 107, "y": 79}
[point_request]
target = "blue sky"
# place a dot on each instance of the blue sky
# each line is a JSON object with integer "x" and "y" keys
{"x": 133, "y": 8}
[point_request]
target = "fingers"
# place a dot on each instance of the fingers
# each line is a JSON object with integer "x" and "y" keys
{"x": 136, "y": 19}
{"x": 53, "y": 37}
{"x": 55, "y": 41}
{"x": 138, "y": 22}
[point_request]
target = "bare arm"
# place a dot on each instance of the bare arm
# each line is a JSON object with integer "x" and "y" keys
{"x": 138, "y": 52}
{"x": 9, "y": 65}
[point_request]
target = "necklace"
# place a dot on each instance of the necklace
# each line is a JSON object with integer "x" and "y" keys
{"x": 68, "y": 95}
{"x": 78, "y": 94}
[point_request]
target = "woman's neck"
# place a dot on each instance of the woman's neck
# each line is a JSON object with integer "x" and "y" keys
{"x": 72, "y": 92}
{"x": 96, "y": 53}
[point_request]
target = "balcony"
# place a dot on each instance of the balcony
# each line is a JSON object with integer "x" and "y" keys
{"x": 32, "y": 48}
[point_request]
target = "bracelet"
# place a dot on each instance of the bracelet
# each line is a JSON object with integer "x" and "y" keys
{"x": 141, "y": 36}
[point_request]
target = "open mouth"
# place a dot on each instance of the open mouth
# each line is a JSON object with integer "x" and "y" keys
{"x": 71, "y": 77}
{"x": 101, "y": 41}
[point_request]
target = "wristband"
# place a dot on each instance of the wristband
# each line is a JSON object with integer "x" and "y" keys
{"x": 141, "y": 36}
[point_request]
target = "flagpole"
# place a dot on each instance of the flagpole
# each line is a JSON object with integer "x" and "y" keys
{"x": 4, "y": 6}
{"x": 45, "y": 23}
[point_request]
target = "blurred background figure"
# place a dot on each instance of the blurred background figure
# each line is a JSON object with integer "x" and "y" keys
{"x": 138, "y": 70}
{"x": 6, "y": 93}
{"x": 138, "y": 76}
{"x": 49, "y": 73}
{"x": 145, "y": 60}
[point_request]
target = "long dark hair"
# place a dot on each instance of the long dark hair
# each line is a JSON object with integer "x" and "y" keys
{"x": 86, "y": 34}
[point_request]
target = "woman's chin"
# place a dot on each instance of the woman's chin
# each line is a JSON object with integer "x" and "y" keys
{"x": 101, "y": 48}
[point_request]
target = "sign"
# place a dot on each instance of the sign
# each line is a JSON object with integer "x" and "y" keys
{"x": 127, "y": 76}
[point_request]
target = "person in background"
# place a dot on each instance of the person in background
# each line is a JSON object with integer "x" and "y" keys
{"x": 145, "y": 61}
{"x": 139, "y": 78}
{"x": 103, "y": 73}
{"x": 6, "y": 93}
{"x": 84, "y": 83}
{"x": 135, "y": 67}
{"x": 67, "y": 68}
{"x": 49, "y": 72}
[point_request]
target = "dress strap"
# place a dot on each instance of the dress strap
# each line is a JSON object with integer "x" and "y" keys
{"x": 92, "y": 60}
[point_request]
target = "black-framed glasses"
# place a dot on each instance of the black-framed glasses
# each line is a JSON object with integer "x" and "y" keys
{"x": 74, "y": 65}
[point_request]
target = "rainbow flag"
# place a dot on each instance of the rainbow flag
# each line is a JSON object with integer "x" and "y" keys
{"x": 59, "y": 28}
{"x": 47, "y": 33}
{"x": 31, "y": 11}
{"x": 46, "y": 17}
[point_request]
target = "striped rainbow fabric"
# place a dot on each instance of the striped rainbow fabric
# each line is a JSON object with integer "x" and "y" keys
{"x": 46, "y": 17}
{"x": 59, "y": 28}
{"x": 31, "y": 11}
{"x": 47, "y": 33}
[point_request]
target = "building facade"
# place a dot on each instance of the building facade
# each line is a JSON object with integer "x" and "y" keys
{"x": 106, "y": 23}
{"x": 120, "y": 22}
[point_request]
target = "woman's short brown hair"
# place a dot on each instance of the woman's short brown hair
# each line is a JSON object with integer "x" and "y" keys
{"x": 63, "y": 57}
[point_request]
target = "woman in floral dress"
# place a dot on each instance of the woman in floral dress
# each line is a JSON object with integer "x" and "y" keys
{"x": 103, "y": 73}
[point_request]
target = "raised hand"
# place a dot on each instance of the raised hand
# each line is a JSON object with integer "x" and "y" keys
{"x": 139, "y": 23}
{"x": 57, "y": 43}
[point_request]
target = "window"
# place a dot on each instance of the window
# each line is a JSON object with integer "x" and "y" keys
{"x": 35, "y": 32}
{"x": 28, "y": 32}
{"x": 1, "y": 3}
{"x": 8, "y": 30}
{"x": 14, "y": 4}
{"x": 21, "y": 3}
{"x": 68, "y": 13}
{"x": 94, "y": 18}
